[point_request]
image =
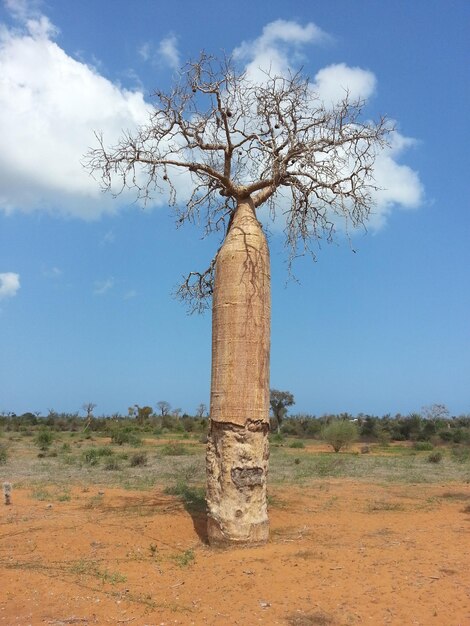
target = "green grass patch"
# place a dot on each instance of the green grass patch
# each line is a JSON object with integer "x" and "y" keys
{"x": 193, "y": 498}
{"x": 175, "y": 448}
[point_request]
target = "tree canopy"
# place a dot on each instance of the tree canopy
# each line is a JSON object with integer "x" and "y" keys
{"x": 273, "y": 140}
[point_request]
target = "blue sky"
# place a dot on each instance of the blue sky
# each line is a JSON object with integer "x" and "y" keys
{"x": 86, "y": 311}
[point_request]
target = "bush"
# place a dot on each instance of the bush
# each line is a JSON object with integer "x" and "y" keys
{"x": 3, "y": 454}
{"x": 91, "y": 456}
{"x": 446, "y": 435}
{"x": 339, "y": 434}
{"x": 435, "y": 457}
{"x": 423, "y": 446}
{"x": 44, "y": 439}
{"x": 138, "y": 459}
{"x": 127, "y": 435}
{"x": 112, "y": 464}
{"x": 297, "y": 444}
{"x": 174, "y": 448}
{"x": 277, "y": 438}
{"x": 193, "y": 497}
{"x": 461, "y": 453}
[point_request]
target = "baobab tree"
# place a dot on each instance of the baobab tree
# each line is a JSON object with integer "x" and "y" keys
{"x": 245, "y": 145}
{"x": 280, "y": 401}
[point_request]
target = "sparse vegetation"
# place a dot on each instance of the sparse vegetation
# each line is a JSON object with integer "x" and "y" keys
{"x": 174, "y": 448}
{"x": 3, "y": 454}
{"x": 185, "y": 558}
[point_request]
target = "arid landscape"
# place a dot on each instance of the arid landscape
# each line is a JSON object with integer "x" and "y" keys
{"x": 378, "y": 538}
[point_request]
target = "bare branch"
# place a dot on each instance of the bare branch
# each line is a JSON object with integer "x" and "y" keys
{"x": 233, "y": 138}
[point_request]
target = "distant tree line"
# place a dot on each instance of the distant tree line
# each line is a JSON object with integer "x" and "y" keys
{"x": 432, "y": 424}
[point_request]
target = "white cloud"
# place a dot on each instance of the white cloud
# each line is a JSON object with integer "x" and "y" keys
{"x": 22, "y": 9}
{"x": 129, "y": 295}
{"x": 9, "y": 284}
{"x": 145, "y": 51}
{"x": 50, "y": 104}
{"x": 52, "y": 272}
{"x": 334, "y": 82}
{"x": 277, "y": 47}
{"x": 166, "y": 54}
{"x": 102, "y": 286}
{"x": 168, "y": 49}
{"x": 400, "y": 185}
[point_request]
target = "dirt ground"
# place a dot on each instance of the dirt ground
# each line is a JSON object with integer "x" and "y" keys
{"x": 341, "y": 553}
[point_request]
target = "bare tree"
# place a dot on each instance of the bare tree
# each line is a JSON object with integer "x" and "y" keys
{"x": 245, "y": 144}
{"x": 88, "y": 408}
{"x": 164, "y": 407}
{"x": 201, "y": 409}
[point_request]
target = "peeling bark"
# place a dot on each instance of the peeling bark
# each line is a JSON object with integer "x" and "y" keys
{"x": 237, "y": 454}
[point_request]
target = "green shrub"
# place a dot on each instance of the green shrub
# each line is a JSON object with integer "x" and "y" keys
{"x": 174, "y": 448}
{"x": 339, "y": 434}
{"x": 127, "y": 435}
{"x": 297, "y": 444}
{"x": 112, "y": 465}
{"x": 461, "y": 453}
{"x": 90, "y": 456}
{"x": 194, "y": 498}
{"x": 3, "y": 454}
{"x": 138, "y": 459}
{"x": 423, "y": 446}
{"x": 44, "y": 439}
{"x": 445, "y": 435}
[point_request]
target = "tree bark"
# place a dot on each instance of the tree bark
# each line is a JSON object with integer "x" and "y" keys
{"x": 237, "y": 451}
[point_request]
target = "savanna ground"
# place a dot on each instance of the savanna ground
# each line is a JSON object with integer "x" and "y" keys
{"x": 99, "y": 533}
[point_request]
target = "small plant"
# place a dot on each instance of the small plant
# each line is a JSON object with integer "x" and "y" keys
{"x": 3, "y": 454}
{"x": 89, "y": 568}
{"x": 90, "y": 457}
{"x": 112, "y": 465}
{"x": 41, "y": 494}
{"x": 64, "y": 496}
{"x": 153, "y": 549}
{"x": 194, "y": 498}
{"x": 185, "y": 558}
{"x": 435, "y": 457}
{"x": 138, "y": 459}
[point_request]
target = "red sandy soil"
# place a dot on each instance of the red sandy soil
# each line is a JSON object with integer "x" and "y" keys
{"x": 341, "y": 553}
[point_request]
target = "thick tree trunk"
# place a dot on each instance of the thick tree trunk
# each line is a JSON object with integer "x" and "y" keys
{"x": 237, "y": 451}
